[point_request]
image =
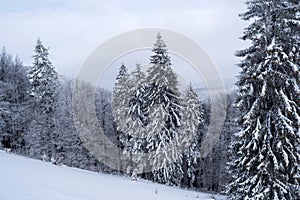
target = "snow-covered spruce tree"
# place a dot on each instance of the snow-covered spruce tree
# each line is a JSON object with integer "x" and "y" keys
{"x": 266, "y": 152}
{"x": 162, "y": 100}
{"x": 137, "y": 119}
{"x": 192, "y": 119}
{"x": 120, "y": 108}
{"x": 44, "y": 83}
{"x": 137, "y": 109}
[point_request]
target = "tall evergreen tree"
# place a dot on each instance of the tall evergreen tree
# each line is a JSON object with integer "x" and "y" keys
{"x": 137, "y": 118}
{"x": 120, "y": 102}
{"x": 120, "y": 107}
{"x": 44, "y": 89}
{"x": 192, "y": 119}
{"x": 266, "y": 152}
{"x": 137, "y": 110}
{"x": 162, "y": 98}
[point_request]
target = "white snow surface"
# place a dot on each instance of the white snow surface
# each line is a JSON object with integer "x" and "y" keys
{"x": 27, "y": 179}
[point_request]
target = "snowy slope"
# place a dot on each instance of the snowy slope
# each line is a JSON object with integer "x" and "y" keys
{"x": 26, "y": 179}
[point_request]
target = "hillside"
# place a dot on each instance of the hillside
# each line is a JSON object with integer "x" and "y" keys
{"x": 28, "y": 179}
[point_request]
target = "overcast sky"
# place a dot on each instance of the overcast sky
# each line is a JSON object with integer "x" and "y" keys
{"x": 74, "y": 28}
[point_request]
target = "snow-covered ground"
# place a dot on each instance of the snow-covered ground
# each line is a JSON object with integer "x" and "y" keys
{"x": 27, "y": 179}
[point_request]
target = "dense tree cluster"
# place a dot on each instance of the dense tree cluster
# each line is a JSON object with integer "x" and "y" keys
{"x": 162, "y": 129}
{"x": 13, "y": 103}
{"x": 36, "y": 117}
